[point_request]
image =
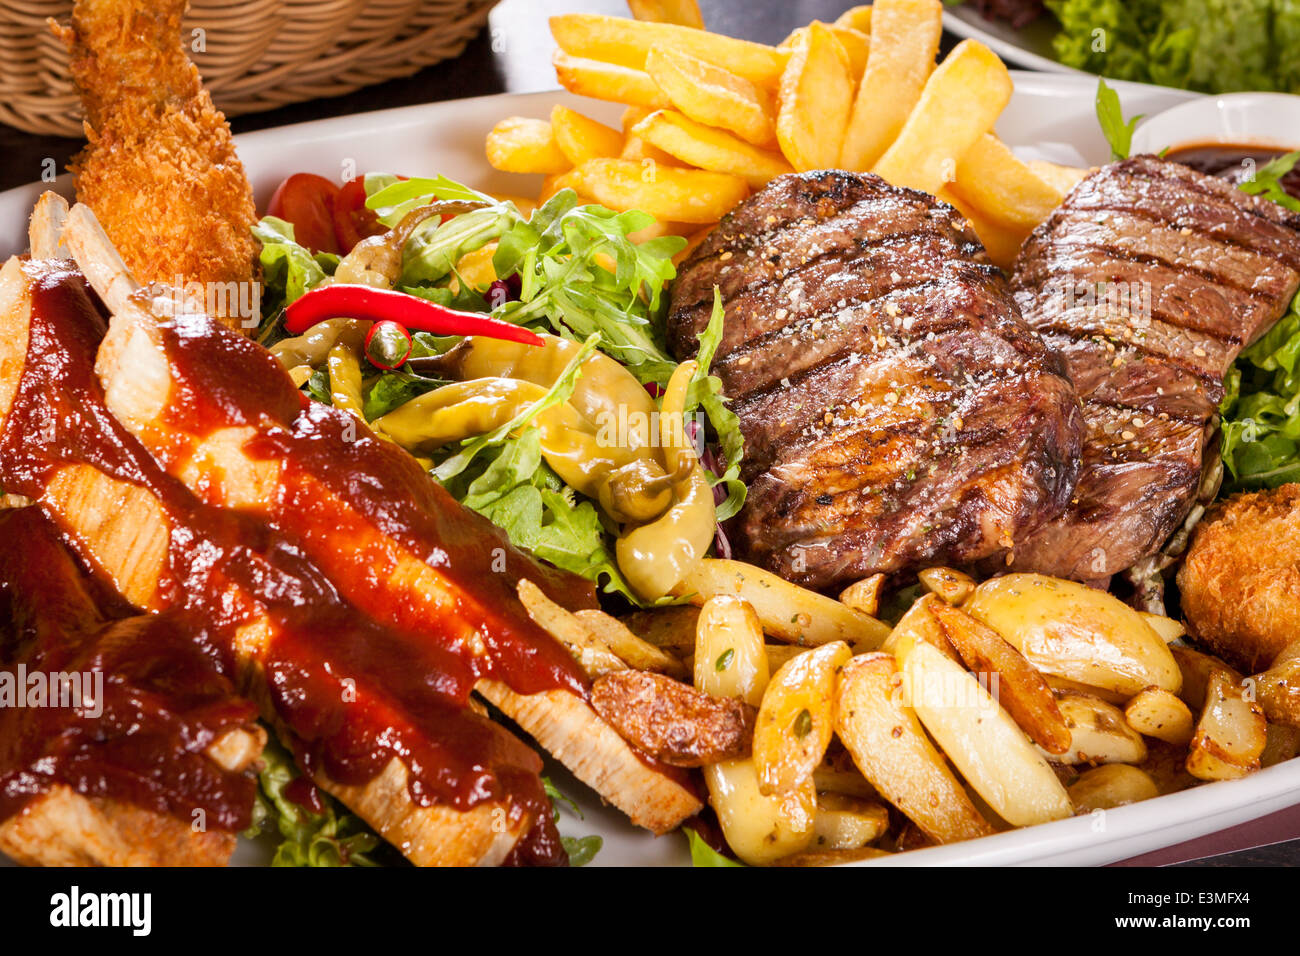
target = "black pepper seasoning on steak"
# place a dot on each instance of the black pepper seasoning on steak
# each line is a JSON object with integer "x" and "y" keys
{"x": 897, "y": 411}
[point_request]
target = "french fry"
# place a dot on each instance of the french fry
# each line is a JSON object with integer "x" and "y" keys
{"x": 553, "y": 184}
{"x": 629, "y": 42}
{"x": 665, "y": 192}
{"x": 1098, "y": 732}
{"x": 848, "y": 823}
{"x": 631, "y": 116}
{"x": 522, "y": 145}
{"x": 857, "y": 46}
{"x": 982, "y": 741}
{"x": 904, "y": 42}
{"x": 682, "y": 12}
{"x": 709, "y": 148}
{"x": 692, "y": 241}
{"x": 960, "y": 103}
{"x": 1064, "y": 178}
{"x": 1278, "y": 688}
{"x": 1077, "y": 632}
{"x": 581, "y": 138}
{"x": 640, "y": 654}
{"x": 815, "y": 99}
{"x": 894, "y": 754}
{"x": 608, "y": 81}
{"x": 953, "y": 586}
{"x": 1001, "y": 186}
{"x": 1002, "y": 242}
{"x": 596, "y": 659}
{"x": 729, "y": 662}
{"x": 1231, "y": 733}
{"x": 638, "y": 150}
{"x": 864, "y": 595}
{"x": 1111, "y": 785}
{"x": 1020, "y": 688}
{"x": 788, "y": 612}
{"x": 795, "y": 720}
{"x": 1160, "y": 714}
{"x": 857, "y": 18}
{"x": 713, "y": 96}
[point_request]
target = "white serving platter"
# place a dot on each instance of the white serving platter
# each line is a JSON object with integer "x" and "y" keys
{"x": 1050, "y": 117}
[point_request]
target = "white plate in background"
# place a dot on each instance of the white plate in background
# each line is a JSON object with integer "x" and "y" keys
{"x": 1050, "y": 117}
{"x": 1030, "y": 47}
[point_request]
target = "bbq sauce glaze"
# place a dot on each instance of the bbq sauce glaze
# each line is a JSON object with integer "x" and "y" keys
{"x": 138, "y": 737}
{"x": 1233, "y": 163}
{"x": 350, "y": 693}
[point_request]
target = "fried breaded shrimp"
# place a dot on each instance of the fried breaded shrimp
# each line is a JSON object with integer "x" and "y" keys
{"x": 1241, "y": 581}
{"x": 160, "y": 170}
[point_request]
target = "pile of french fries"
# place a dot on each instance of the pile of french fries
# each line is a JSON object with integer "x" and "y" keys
{"x": 1016, "y": 701}
{"x": 709, "y": 118}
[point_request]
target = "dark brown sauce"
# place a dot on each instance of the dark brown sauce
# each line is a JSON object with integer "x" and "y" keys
{"x": 353, "y": 693}
{"x": 162, "y": 702}
{"x": 1237, "y": 164}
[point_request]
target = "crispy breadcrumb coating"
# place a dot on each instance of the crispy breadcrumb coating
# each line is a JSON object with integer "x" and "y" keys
{"x": 1240, "y": 583}
{"x": 160, "y": 170}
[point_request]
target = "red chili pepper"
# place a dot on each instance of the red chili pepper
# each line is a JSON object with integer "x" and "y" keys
{"x": 394, "y": 345}
{"x": 416, "y": 314}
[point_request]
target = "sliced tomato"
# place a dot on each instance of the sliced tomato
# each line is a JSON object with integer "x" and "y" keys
{"x": 352, "y": 220}
{"x": 307, "y": 201}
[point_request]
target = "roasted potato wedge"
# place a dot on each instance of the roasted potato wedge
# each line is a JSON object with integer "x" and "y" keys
{"x": 1099, "y": 733}
{"x": 796, "y": 718}
{"x": 1278, "y": 688}
{"x": 864, "y": 595}
{"x": 640, "y": 654}
{"x": 953, "y": 586}
{"x": 1283, "y": 743}
{"x": 1076, "y": 632}
{"x": 729, "y": 656}
{"x": 589, "y": 651}
{"x": 895, "y": 755}
{"x": 848, "y": 823}
{"x": 1111, "y": 785}
{"x": 1196, "y": 669}
{"x": 1231, "y": 733}
{"x": 1156, "y": 712}
{"x": 669, "y": 628}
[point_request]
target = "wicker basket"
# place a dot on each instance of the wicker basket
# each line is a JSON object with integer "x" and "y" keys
{"x": 259, "y": 54}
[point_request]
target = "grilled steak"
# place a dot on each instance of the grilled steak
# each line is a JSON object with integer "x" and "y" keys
{"x": 1149, "y": 280}
{"x": 897, "y": 411}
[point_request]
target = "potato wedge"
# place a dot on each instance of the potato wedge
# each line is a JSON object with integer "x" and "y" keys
{"x": 1196, "y": 669}
{"x": 864, "y": 595}
{"x": 918, "y": 624}
{"x": 953, "y": 586}
{"x": 1111, "y": 785}
{"x": 960, "y": 103}
{"x": 759, "y": 829}
{"x": 709, "y": 148}
{"x": 904, "y": 42}
{"x": 1020, "y": 688}
{"x": 581, "y": 138}
{"x": 1283, "y": 743}
{"x": 729, "y": 656}
{"x": 666, "y": 192}
{"x": 778, "y": 655}
{"x": 848, "y": 823}
{"x": 1157, "y": 713}
{"x": 522, "y": 145}
{"x": 1073, "y": 686}
{"x": 713, "y": 96}
{"x": 989, "y": 749}
{"x": 608, "y": 81}
{"x": 1168, "y": 629}
{"x": 685, "y": 13}
{"x": 788, "y": 612}
{"x": 1001, "y": 186}
{"x": 888, "y": 745}
{"x": 1278, "y": 688}
{"x": 810, "y": 858}
{"x": 629, "y": 42}
{"x": 670, "y": 628}
{"x": 596, "y": 659}
{"x": 1231, "y": 733}
{"x": 815, "y": 99}
{"x": 1076, "y": 632}
{"x": 1098, "y": 732}
{"x": 639, "y": 654}
{"x": 796, "y": 718}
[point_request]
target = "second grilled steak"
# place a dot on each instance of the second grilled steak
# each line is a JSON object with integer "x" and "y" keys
{"x": 1150, "y": 279}
{"x": 896, "y": 409}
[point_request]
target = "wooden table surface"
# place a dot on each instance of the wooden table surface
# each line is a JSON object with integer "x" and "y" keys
{"x": 514, "y": 56}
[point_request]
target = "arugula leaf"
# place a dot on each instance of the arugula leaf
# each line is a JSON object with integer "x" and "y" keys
{"x": 1268, "y": 181}
{"x": 310, "y": 839}
{"x": 1118, "y": 132}
{"x": 581, "y": 850}
{"x": 392, "y": 198}
{"x": 431, "y": 253}
{"x": 705, "y": 391}
{"x": 393, "y": 389}
{"x": 704, "y": 855}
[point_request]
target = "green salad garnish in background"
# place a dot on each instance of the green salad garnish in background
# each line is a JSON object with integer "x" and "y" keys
{"x": 1261, "y": 411}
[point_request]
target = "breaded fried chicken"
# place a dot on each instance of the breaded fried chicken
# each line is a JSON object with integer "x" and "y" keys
{"x": 1240, "y": 583}
{"x": 160, "y": 170}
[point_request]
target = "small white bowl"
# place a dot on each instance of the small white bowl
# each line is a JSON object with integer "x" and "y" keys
{"x": 1264, "y": 120}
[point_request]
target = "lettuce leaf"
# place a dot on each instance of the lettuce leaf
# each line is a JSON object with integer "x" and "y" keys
{"x": 704, "y": 855}
{"x": 705, "y": 391}
{"x": 288, "y": 269}
{"x": 1261, "y": 410}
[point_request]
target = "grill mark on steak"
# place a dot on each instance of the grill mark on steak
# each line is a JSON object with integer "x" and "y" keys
{"x": 897, "y": 411}
{"x": 1219, "y": 267}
